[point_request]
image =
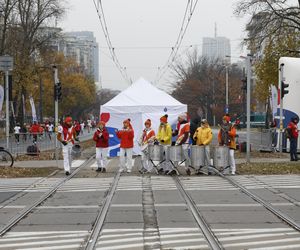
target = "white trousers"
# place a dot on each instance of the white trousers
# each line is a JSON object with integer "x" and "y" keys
{"x": 101, "y": 157}
{"x": 232, "y": 160}
{"x": 166, "y": 165}
{"x": 126, "y": 161}
{"x": 185, "y": 150}
{"x": 66, "y": 151}
{"x": 207, "y": 157}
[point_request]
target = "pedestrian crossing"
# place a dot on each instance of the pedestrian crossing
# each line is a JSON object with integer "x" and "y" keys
{"x": 43, "y": 240}
{"x": 264, "y": 238}
{"x": 86, "y": 185}
{"x": 206, "y": 183}
{"x": 169, "y": 238}
{"x": 27, "y": 184}
{"x": 270, "y": 181}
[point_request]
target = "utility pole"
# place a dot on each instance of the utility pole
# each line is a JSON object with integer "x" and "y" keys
{"x": 227, "y": 104}
{"x": 6, "y": 65}
{"x": 249, "y": 76}
{"x": 56, "y": 81}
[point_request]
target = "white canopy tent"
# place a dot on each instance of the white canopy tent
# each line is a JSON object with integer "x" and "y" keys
{"x": 139, "y": 102}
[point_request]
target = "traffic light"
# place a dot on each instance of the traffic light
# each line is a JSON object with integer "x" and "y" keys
{"x": 57, "y": 91}
{"x": 283, "y": 89}
{"x": 244, "y": 84}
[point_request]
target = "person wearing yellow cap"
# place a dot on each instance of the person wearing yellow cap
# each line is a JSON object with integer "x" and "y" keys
{"x": 101, "y": 137}
{"x": 126, "y": 136}
{"x": 66, "y": 134}
{"x": 147, "y": 138}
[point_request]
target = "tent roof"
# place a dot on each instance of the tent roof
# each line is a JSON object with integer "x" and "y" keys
{"x": 143, "y": 93}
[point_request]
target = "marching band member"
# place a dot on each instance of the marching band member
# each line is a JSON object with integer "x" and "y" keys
{"x": 101, "y": 137}
{"x": 126, "y": 136}
{"x": 164, "y": 137}
{"x": 203, "y": 137}
{"x": 226, "y": 137}
{"x": 147, "y": 137}
{"x": 183, "y": 135}
{"x": 66, "y": 134}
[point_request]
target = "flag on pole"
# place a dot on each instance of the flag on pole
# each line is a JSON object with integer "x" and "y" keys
{"x": 1, "y": 97}
{"x": 274, "y": 100}
{"x": 33, "y": 111}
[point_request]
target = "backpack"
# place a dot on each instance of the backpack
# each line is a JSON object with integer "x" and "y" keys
{"x": 288, "y": 132}
{"x": 32, "y": 150}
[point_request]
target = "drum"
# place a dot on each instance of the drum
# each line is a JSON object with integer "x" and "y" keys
{"x": 174, "y": 153}
{"x": 156, "y": 152}
{"x": 198, "y": 156}
{"x": 221, "y": 157}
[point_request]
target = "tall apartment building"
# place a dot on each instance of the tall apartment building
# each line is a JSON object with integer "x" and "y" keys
{"x": 83, "y": 47}
{"x": 216, "y": 48}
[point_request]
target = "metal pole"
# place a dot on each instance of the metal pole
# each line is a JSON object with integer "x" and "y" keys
{"x": 56, "y": 111}
{"x": 41, "y": 100}
{"x": 249, "y": 75}
{"x": 281, "y": 108}
{"x": 226, "y": 67}
{"x": 7, "y": 107}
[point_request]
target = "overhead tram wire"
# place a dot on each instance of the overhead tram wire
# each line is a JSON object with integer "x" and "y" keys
{"x": 191, "y": 5}
{"x": 100, "y": 12}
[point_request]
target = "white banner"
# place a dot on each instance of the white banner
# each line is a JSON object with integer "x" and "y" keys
{"x": 23, "y": 103}
{"x": 1, "y": 97}
{"x": 33, "y": 111}
{"x": 274, "y": 100}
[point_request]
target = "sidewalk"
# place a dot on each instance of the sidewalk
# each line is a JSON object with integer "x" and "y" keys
{"x": 38, "y": 164}
{"x": 59, "y": 163}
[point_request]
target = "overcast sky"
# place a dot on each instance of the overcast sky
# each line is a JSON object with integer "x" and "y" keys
{"x": 143, "y": 32}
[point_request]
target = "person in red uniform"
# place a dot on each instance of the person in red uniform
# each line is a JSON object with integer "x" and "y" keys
{"x": 66, "y": 134}
{"x": 35, "y": 130}
{"x": 126, "y": 136}
{"x": 101, "y": 137}
{"x": 147, "y": 138}
{"x": 294, "y": 133}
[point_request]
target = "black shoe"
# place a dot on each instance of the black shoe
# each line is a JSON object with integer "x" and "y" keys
{"x": 167, "y": 172}
{"x": 209, "y": 173}
{"x": 161, "y": 170}
{"x": 67, "y": 173}
{"x": 188, "y": 171}
{"x": 99, "y": 169}
{"x": 103, "y": 170}
{"x": 293, "y": 160}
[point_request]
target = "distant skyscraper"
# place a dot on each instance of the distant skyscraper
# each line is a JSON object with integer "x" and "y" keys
{"x": 216, "y": 48}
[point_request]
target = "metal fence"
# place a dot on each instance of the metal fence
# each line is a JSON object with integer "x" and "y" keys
{"x": 32, "y": 143}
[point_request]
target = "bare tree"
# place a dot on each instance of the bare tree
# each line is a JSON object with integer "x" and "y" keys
{"x": 269, "y": 18}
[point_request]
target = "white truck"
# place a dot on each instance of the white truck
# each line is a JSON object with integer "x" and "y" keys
{"x": 290, "y": 74}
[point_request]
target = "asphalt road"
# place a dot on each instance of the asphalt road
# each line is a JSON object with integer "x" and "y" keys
{"x": 148, "y": 211}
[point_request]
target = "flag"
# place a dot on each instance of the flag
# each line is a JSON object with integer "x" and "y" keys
{"x": 274, "y": 100}
{"x": 23, "y": 102}
{"x": 33, "y": 111}
{"x": 1, "y": 97}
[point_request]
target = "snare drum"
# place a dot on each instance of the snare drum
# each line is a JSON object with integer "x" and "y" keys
{"x": 156, "y": 152}
{"x": 174, "y": 153}
{"x": 197, "y": 156}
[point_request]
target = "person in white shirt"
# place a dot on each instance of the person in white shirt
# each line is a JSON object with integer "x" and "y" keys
{"x": 17, "y": 129}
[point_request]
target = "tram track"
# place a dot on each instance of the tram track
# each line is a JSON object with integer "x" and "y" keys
{"x": 282, "y": 216}
{"x": 28, "y": 209}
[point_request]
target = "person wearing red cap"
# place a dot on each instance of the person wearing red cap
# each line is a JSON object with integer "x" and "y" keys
{"x": 147, "y": 138}
{"x": 226, "y": 137}
{"x": 101, "y": 137}
{"x": 126, "y": 136}
{"x": 66, "y": 134}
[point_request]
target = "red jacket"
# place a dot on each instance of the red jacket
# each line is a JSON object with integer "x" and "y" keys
{"x": 101, "y": 138}
{"x": 126, "y": 138}
{"x": 294, "y": 129}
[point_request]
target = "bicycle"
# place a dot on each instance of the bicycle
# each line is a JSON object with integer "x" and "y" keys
{"x": 6, "y": 159}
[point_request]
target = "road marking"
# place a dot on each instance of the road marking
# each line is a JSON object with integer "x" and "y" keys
{"x": 77, "y": 163}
